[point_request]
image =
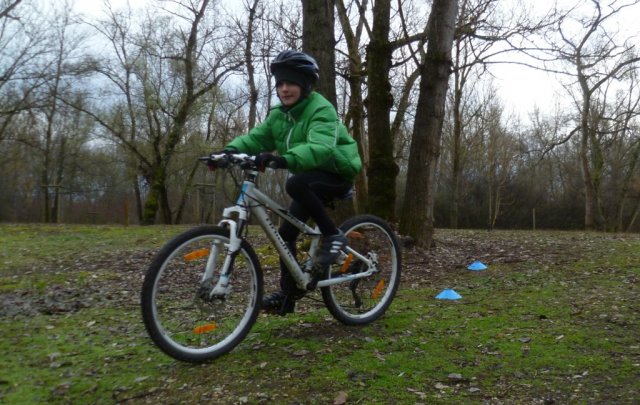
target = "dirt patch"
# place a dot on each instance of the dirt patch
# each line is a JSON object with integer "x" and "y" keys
{"x": 455, "y": 250}
{"x": 86, "y": 282}
{"x": 115, "y": 279}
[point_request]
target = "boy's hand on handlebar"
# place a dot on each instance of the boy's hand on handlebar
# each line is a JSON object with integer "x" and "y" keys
{"x": 266, "y": 159}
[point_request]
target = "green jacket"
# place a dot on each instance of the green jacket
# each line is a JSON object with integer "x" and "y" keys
{"x": 309, "y": 136}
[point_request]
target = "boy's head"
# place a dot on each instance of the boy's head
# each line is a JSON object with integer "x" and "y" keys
{"x": 295, "y": 67}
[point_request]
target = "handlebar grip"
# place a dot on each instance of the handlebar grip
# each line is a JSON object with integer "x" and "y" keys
{"x": 223, "y": 160}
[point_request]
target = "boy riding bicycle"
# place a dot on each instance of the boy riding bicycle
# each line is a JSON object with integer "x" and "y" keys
{"x": 316, "y": 148}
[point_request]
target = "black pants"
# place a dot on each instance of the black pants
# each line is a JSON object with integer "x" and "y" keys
{"x": 309, "y": 191}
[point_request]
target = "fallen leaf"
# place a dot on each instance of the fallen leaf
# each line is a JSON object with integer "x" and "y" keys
{"x": 440, "y": 386}
{"x": 341, "y": 399}
{"x": 420, "y": 394}
{"x": 301, "y": 353}
{"x": 456, "y": 377}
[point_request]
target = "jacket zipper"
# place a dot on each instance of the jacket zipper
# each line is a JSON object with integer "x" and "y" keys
{"x": 292, "y": 121}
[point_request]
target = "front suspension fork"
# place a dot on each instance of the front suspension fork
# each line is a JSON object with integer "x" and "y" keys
{"x": 223, "y": 287}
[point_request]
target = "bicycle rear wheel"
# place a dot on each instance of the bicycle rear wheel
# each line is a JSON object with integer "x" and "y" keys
{"x": 364, "y": 300}
{"x": 179, "y": 313}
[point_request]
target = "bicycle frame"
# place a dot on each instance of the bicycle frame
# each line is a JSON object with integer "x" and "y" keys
{"x": 252, "y": 201}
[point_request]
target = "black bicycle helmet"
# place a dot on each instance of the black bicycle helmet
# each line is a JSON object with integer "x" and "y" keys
{"x": 296, "y": 67}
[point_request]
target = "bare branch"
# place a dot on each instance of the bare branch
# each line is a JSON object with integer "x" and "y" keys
{"x": 5, "y": 13}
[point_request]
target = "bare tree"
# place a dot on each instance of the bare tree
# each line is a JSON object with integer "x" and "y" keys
{"x": 417, "y": 220}
{"x": 382, "y": 169}
{"x": 24, "y": 46}
{"x": 195, "y": 86}
{"x": 254, "y": 10}
{"x": 354, "y": 73}
{"x": 389, "y": 49}
{"x": 596, "y": 58}
{"x": 62, "y": 67}
{"x": 488, "y": 31}
{"x": 173, "y": 71}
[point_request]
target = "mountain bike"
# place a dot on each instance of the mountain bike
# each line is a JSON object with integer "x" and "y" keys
{"x": 203, "y": 290}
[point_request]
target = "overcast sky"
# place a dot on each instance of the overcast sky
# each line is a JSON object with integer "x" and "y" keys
{"x": 520, "y": 88}
{"x": 524, "y": 88}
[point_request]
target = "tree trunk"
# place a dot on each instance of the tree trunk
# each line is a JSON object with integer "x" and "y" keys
{"x": 317, "y": 31}
{"x": 634, "y": 216}
{"x": 382, "y": 170}
{"x": 152, "y": 203}
{"x": 138, "y": 197}
{"x": 248, "y": 60}
{"x": 188, "y": 188}
{"x": 417, "y": 215}
{"x": 49, "y": 144}
{"x": 158, "y": 190}
{"x": 318, "y": 40}
{"x": 356, "y": 115}
{"x": 456, "y": 153}
{"x": 589, "y": 193}
{"x": 354, "y": 118}
{"x": 62, "y": 152}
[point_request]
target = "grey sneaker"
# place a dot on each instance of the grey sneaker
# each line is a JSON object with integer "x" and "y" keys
{"x": 330, "y": 250}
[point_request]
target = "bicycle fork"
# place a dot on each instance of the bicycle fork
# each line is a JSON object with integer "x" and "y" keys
{"x": 223, "y": 286}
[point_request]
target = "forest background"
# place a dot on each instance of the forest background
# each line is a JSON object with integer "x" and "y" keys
{"x": 103, "y": 115}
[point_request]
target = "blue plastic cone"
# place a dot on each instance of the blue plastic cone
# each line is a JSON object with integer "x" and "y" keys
{"x": 448, "y": 294}
{"x": 477, "y": 266}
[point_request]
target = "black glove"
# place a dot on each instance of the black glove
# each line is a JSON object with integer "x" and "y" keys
{"x": 266, "y": 159}
{"x": 220, "y": 163}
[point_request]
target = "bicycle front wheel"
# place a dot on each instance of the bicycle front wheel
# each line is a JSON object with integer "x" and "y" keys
{"x": 182, "y": 316}
{"x": 361, "y": 301}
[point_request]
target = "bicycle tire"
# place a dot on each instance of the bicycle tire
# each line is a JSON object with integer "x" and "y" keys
{"x": 362, "y": 301}
{"x": 178, "y": 314}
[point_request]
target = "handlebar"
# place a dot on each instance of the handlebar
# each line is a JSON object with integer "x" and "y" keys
{"x": 223, "y": 160}
{"x": 241, "y": 160}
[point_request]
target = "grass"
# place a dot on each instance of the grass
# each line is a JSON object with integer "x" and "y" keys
{"x": 27, "y": 245}
{"x": 549, "y": 325}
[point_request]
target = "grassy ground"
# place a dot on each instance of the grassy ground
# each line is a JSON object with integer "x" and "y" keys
{"x": 554, "y": 319}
